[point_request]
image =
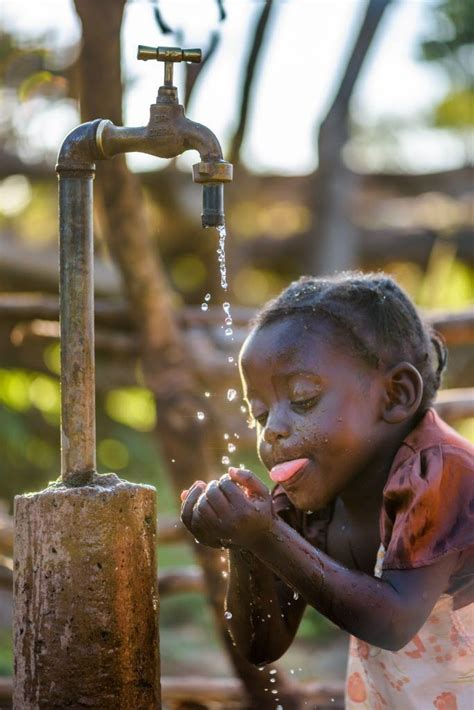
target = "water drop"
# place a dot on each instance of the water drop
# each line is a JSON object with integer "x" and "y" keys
{"x": 296, "y": 596}
{"x": 224, "y": 574}
{"x": 231, "y": 394}
{"x": 231, "y": 448}
{"x": 228, "y": 615}
{"x": 273, "y": 680}
{"x": 261, "y": 668}
{"x": 173, "y": 460}
{"x": 273, "y": 671}
{"x": 207, "y": 394}
{"x": 204, "y": 307}
{"x": 226, "y": 436}
{"x": 225, "y": 460}
{"x": 230, "y": 359}
{"x": 242, "y": 466}
{"x": 279, "y": 707}
{"x": 223, "y": 559}
{"x": 228, "y": 320}
{"x": 242, "y": 409}
{"x": 207, "y": 297}
{"x": 236, "y": 436}
{"x": 228, "y": 331}
{"x": 274, "y": 691}
{"x": 201, "y": 416}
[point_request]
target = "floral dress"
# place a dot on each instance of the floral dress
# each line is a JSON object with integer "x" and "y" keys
{"x": 427, "y": 512}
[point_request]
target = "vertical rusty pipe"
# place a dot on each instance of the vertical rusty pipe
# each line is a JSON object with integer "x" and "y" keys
{"x": 76, "y": 168}
{"x": 77, "y": 328}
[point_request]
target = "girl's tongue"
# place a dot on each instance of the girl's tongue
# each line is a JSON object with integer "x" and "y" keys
{"x": 283, "y": 471}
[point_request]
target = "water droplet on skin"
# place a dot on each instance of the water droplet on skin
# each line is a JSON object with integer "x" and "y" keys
{"x": 230, "y": 359}
{"x": 296, "y": 596}
{"x": 231, "y": 448}
{"x": 207, "y": 394}
{"x": 207, "y": 297}
{"x": 228, "y": 331}
{"x": 242, "y": 409}
{"x": 224, "y": 574}
{"x": 225, "y": 460}
{"x": 226, "y": 436}
{"x": 274, "y": 691}
{"x": 204, "y": 307}
{"x": 228, "y": 615}
{"x": 228, "y": 320}
{"x": 292, "y": 671}
{"x": 236, "y": 436}
{"x": 173, "y": 460}
{"x": 242, "y": 466}
{"x": 273, "y": 680}
{"x": 261, "y": 668}
{"x": 231, "y": 394}
{"x": 201, "y": 416}
{"x": 273, "y": 672}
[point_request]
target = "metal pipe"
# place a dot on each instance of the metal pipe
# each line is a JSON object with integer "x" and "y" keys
{"x": 76, "y": 169}
{"x": 76, "y": 293}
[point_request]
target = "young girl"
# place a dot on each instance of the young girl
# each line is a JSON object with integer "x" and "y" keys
{"x": 370, "y": 521}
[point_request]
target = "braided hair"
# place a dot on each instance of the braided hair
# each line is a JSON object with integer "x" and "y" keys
{"x": 382, "y": 323}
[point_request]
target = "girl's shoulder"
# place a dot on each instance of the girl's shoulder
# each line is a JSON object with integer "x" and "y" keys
{"x": 428, "y": 503}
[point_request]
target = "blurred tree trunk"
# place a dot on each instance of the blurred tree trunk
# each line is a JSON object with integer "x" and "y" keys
{"x": 335, "y": 244}
{"x": 165, "y": 360}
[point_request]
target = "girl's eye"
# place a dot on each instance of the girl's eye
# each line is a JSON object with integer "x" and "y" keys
{"x": 261, "y": 418}
{"x": 302, "y": 405}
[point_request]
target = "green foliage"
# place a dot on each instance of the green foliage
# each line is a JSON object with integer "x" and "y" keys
{"x": 6, "y": 653}
{"x": 456, "y": 110}
{"x": 450, "y": 44}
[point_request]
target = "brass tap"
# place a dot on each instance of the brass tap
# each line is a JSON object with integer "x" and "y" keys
{"x": 169, "y": 133}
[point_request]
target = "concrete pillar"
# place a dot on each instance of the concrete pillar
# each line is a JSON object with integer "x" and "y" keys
{"x": 86, "y": 600}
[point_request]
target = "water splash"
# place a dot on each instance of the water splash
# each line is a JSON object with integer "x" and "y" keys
{"x": 221, "y": 256}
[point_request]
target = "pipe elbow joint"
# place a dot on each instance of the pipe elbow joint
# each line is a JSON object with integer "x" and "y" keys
{"x": 79, "y": 150}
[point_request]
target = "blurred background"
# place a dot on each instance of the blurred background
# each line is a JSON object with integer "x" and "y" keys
{"x": 348, "y": 123}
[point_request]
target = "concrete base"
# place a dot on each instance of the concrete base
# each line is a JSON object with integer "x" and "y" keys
{"x": 86, "y": 600}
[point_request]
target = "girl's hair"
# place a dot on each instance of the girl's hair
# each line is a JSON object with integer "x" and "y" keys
{"x": 381, "y": 321}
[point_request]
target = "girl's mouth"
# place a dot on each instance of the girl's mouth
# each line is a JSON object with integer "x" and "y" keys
{"x": 285, "y": 471}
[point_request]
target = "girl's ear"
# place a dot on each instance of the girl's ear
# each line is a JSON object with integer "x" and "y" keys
{"x": 403, "y": 393}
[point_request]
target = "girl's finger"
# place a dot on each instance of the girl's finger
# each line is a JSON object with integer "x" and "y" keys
{"x": 217, "y": 500}
{"x": 248, "y": 480}
{"x": 190, "y": 501}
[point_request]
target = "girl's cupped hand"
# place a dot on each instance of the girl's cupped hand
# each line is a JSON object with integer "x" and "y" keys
{"x": 230, "y": 512}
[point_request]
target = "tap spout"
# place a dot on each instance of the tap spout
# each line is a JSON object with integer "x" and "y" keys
{"x": 168, "y": 134}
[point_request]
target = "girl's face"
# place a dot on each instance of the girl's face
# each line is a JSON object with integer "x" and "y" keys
{"x": 311, "y": 398}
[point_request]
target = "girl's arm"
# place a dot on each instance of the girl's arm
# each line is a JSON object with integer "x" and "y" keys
{"x": 265, "y": 612}
{"x": 262, "y": 613}
{"x": 385, "y": 612}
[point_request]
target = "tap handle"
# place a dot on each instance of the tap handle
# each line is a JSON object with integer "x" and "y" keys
{"x": 169, "y": 55}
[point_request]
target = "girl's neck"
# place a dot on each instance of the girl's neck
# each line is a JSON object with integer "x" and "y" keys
{"x": 364, "y": 494}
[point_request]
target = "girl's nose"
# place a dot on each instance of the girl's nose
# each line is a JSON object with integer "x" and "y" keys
{"x": 276, "y": 428}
